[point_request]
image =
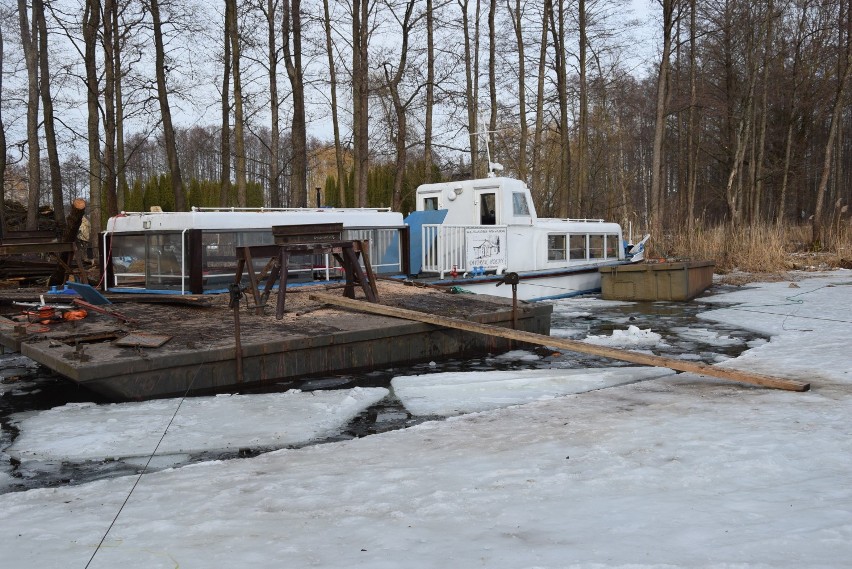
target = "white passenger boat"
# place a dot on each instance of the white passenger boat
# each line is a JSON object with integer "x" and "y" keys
{"x": 472, "y": 234}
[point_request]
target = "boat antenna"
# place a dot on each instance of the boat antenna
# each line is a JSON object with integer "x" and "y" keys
{"x": 493, "y": 167}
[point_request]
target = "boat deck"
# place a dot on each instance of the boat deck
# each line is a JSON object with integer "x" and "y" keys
{"x": 160, "y": 350}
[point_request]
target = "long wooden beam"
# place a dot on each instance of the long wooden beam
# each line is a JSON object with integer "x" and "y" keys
{"x": 565, "y": 344}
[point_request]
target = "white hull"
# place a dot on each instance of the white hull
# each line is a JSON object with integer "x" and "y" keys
{"x": 533, "y": 285}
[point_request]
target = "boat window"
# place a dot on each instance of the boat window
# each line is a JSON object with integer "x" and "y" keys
{"x": 519, "y": 204}
{"x": 430, "y": 204}
{"x": 578, "y": 246}
{"x": 487, "y": 209}
{"x": 596, "y": 246}
{"x": 555, "y": 247}
{"x": 612, "y": 245}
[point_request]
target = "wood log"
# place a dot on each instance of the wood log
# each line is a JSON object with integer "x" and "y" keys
{"x": 565, "y": 344}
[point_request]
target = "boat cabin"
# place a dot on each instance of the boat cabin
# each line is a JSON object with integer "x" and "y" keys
{"x": 195, "y": 251}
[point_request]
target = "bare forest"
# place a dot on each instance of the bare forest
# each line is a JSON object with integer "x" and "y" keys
{"x": 684, "y": 119}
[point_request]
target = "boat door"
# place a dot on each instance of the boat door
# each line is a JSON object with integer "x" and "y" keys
{"x": 485, "y": 206}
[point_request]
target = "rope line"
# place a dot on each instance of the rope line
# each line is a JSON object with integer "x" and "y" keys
{"x": 145, "y": 468}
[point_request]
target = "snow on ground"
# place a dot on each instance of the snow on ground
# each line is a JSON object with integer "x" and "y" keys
{"x": 678, "y": 471}
{"x": 448, "y": 394}
{"x": 78, "y": 432}
{"x": 810, "y": 322}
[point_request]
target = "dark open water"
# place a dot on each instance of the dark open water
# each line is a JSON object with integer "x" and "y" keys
{"x": 29, "y": 387}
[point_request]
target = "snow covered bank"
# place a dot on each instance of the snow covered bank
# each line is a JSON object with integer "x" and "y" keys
{"x": 670, "y": 472}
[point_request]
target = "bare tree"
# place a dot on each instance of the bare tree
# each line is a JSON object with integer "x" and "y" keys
{"x": 239, "y": 117}
{"x": 360, "y": 99}
{"x": 492, "y": 70}
{"x": 657, "y": 186}
{"x": 225, "y": 140}
{"x": 291, "y": 27}
{"x": 428, "y": 158}
{"x": 275, "y": 128}
{"x": 165, "y": 109}
{"x": 516, "y": 16}
{"x": 558, "y": 31}
{"x": 49, "y": 126}
{"x": 2, "y": 145}
{"x": 583, "y": 137}
{"x": 845, "y": 62}
{"x": 400, "y": 105}
{"x": 471, "y": 71}
{"x": 91, "y": 24}
{"x": 335, "y": 119}
{"x": 29, "y": 39}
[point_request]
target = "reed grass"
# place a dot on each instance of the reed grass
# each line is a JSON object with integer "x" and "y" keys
{"x": 760, "y": 248}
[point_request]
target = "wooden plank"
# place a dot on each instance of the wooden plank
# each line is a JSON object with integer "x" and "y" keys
{"x": 36, "y": 248}
{"x": 565, "y": 344}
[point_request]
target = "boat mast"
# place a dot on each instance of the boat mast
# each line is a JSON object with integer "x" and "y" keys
{"x": 493, "y": 167}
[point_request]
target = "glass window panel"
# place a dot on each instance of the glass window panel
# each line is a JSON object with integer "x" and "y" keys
{"x": 596, "y": 246}
{"x": 555, "y": 247}
{"x": 519, "y": 204}
{"x": 578, "y": 246}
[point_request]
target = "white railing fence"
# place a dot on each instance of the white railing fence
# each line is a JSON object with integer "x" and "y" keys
{"x": 445, "y": 247}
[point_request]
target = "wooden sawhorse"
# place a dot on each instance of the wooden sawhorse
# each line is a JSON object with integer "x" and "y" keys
{"x": 345, "y": 252}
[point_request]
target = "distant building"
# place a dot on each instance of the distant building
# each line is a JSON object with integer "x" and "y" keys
{"x": 15, "y": 187}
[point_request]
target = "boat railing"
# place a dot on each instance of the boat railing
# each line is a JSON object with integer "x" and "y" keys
{"x": 445, "y": 247}
{"x": 296, "y": 209}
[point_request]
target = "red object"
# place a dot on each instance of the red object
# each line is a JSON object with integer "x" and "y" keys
{"x": 454, "y": 272}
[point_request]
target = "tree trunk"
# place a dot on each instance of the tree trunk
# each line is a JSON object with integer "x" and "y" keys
{"x": 757, "y": 196}
{"x": 239, "y": 121}
{"x": 360, "y": 99}
{"x": 2, "y": 146}
{"x": 29, "y": 37}
{"x": 492, "y": 73}
{"x": 657, "y": 185}
{"x": 338, "y": 150}
{"x": 819, "y": 221}
{"x": 430, "y": 92}
{"x": 292, "y": 29}
{"x": 121, "y": 164}
{"x": 471, "y": 72}
{"x": 275, "y": 133}
{"x": 225, "y": 140}
{"x": 557, "y": 27}
{"x": 400, "y": 107}
{"x": 91, "y": 23}
{"x": 109, "y": 179}
{"x": 165, "y": 110}
{"x": 49, "y": 128}
{"x": 517, "y": 24}
{"x": 537, "y": 169}
{"x": 583, "y": 142}
{"x": 791, "y": 115}
{"x": 692, "y": 126}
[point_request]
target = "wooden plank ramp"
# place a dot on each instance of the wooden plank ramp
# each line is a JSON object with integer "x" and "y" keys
{"x": 565, "y": 344}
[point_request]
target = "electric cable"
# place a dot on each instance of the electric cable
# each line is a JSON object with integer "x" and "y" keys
{"x": 145, "y": 468}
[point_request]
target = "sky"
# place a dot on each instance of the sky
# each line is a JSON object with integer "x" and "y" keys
{"x": 596, "y": 468}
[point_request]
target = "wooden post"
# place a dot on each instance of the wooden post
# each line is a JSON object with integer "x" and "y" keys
{"x": 565, "y": 344}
